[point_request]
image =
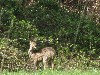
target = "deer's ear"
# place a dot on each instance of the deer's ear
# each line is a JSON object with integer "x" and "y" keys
{"x": 33, "y": 39}
{"x": 30, "y": 42}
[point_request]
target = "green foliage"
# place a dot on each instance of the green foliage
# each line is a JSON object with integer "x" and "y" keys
{"x": 55, "y": 72}
{"x": 71, "y": 33}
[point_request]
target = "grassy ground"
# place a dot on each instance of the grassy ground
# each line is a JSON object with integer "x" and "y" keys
{"x": 54, "y": 72}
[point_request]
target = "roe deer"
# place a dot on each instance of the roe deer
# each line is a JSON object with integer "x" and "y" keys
{"x": 46, "y": 55}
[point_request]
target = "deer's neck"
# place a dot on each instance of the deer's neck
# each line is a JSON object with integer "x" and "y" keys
{"x": 30, "y": 52}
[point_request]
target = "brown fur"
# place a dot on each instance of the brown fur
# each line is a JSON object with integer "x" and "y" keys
{"x": 46, "y": 55}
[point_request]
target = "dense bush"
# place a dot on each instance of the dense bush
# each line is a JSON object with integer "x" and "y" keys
{"x": 73, "y": 34}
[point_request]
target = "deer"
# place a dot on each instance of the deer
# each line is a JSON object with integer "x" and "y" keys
{"x": 45, "y": 55}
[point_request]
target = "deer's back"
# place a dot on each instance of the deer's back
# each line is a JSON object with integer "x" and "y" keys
{"x": 48, "y": 51}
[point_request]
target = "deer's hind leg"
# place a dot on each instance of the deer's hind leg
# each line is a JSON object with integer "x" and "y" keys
{"x": 52, "y": 64}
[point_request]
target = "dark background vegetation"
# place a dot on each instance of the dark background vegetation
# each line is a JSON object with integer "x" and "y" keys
{"x": 72, "y": 27}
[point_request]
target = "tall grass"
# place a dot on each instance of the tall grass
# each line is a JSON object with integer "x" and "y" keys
{"x": 54, "y": 72}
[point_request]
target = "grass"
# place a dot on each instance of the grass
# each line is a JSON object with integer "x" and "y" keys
{"x": 54, "y": 72}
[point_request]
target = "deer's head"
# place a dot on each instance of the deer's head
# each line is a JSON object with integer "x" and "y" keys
{"x": 32, "y": 44}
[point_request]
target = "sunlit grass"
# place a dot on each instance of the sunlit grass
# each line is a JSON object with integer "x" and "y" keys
{"x": 55, "y": 72}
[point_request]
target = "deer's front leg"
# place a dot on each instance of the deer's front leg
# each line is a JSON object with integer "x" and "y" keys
{"x": 35, "y": 64}
{"x": 45, "y": 62}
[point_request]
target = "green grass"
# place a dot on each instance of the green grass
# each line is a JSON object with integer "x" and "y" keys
{"x": 54, "y": 72}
